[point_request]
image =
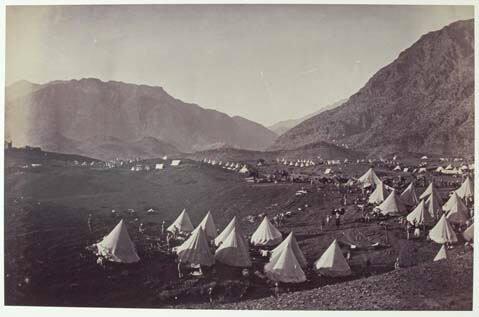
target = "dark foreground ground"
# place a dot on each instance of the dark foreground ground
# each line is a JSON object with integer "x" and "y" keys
{"x": 46, "y": 233}
{"x": 443, "y": 285}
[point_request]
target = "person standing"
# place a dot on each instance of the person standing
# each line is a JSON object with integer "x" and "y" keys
{"x": 90, "y": 223}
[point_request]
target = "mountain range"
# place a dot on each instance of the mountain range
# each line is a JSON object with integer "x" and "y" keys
{"x": 283, "y": 126}
{"x": 115, "y": 119}
{"x": 423, "y": 102}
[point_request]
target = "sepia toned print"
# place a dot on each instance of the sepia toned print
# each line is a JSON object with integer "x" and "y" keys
{"x": 290, "y": 157}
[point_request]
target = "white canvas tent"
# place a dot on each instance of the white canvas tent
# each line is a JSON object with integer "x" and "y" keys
{"x": 442, "y": 232}
{"x": 442, "y": 254}
{"x": 182, "y": 223}
{"x": 195, "y": 250}
{"x": 175, "y": 162}
{"x": 234, "y": 250}
{"x": 420, "y": 215}
{"x": 290, "y": 242}
{"x": 332, "y": 262}
{"x": 226, "y": 231}
{"x": 159, "y": 166}
{"x": 266, "y": 234}
{"x": 409, "y": 196}
{"x": 284, "y": 267}
{"x": 468, "y": 234}
{"x": 429, "y": 190}
{"x": 466, "y": 190}
{"x": 433, "y": 205}
{"x": 208, "y": 226}
{"x": 456, "y": 210}
{"x": 117, "y": 246}
{"x": 369, "y": 178}
{"x": 244, "y": 170}
{"x": 392, "y": 205}
{"x": 379, "y": 194}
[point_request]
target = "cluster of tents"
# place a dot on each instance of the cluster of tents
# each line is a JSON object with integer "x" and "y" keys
{"x": 286, "y": 260}
{"x": 158, "y": 166}
{"x": 428, "y": 210}
{"x": 231, "y": 166}
{"x": 297, "y": 163}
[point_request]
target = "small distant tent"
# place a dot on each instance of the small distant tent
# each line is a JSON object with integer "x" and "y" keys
{"x": 449, "y": 167}
{"x": 196, "y": 250}
{"x": 456, "y": 210}
{"x": 158, "y": 166}
{"x": 243, "y": 170}
{"x": 266, "y": 234}
{"x": 117, "y": 246}
{"x": 379, "y": 194}
{"x": 165, "y": 158}
{"x": 443, "y": 232}
{"x": 397, "y": 168}
{"x": 439, "y": 169}
{"x": 234, "y": 250}
{"x": 420, "y": 215}
{"x": 392, "y": 205}
{"x": 433, "y": 205}
{"x": 290, "y": 242}
{"x": 405, "y": 170}
{"x": 409, "y": 196}
{"x": 424, "y": 157}
{"x": 328, "y": 171}
{"x": 208, "y": 226}
{"x": 175, "y": 162}
{"x": 369, "y": 178}
{"x": 468, "y": 234}
{"x": 284, "y": 267}
{"x": 442, "y": 254}
{"x": 226, "y": 231}
{"x": 466, "y": 191}
{"x": 182, "y": 223}
{"x": 332, "y": 262}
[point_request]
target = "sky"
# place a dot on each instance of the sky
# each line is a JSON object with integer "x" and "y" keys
{"x": 266, "y": 63}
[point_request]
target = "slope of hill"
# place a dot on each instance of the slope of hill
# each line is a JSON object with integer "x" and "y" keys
{"x": 77, "y": 115}
{"x": 324, "y": 150}
{"x": 421, "y": 102}
{"x": 283, "y": 126}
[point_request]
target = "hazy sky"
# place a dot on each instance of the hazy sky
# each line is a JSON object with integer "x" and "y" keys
{"x": 264, "y": 62}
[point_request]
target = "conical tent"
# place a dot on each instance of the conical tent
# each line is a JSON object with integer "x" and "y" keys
{"x": 266, "y": 234}
{"x": 392, "y": 205}
{"x": 420, "y": 215}
{"x": 379, "y": 194}
{"x": 466, "y": 190}
{"x": 468, "y": 234}
{"x": 234, "y": 250}
{"x": 429, "y": 190}
{"x": 442, "y": 254}
{"x": 208, "y": 226}
{"x": 443, "y": 232}
{"x": 291, "y": 242}
{"x": 226, "y": 231}
{"x": 284, "y": 267}
{"x": 369, "y": 178}
{"x": 456, "y": 210}
{"x": 182, "y": 223}
{"x": 433, "y": 206}
{"x": 196, "y": 250}
{"x": 117, "y": 246}
{"x": 409, "y": 196}
{"x": 332, "y": 262}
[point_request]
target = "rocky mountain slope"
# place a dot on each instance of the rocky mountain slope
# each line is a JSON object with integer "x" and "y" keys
{"x": 421, "y": 102}
{"x": 105, "y": 119}
{"x": 283, "y": 126}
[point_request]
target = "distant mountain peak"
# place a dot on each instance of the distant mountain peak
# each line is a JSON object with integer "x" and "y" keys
{"x": 421, "y": 102}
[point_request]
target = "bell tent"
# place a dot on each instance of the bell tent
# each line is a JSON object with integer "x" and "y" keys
{"x": 332, "y": 262}
{"x": 117, "y": 246}
{"x": 443, "y": 232}
{"x": 195, "y": 250}
{"x": 266, "y": 234}
{"x": 285, "y": 268}
{"x": 234, "y": 250}
{"x": 290, "y": 242}
{"x": 182, "y": 223}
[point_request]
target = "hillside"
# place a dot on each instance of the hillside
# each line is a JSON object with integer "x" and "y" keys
{"x": 421, "y": 102}
{"x": 310, "y": 151}
{"x": 283, "y": 126}
{"x": 80, "y": 116}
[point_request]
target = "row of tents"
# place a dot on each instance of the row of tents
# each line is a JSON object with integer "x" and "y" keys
{"x": 286, "y": 261}
{"x": 157, "y": 166}
{"x": 428, "y": 208}
{"x": 237, "y": 167}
